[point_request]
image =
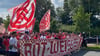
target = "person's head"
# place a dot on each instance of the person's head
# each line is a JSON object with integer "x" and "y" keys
{"x": 13, "y": 34}
{"x": 20, "y": 34}
{"x": 26, "y": 32}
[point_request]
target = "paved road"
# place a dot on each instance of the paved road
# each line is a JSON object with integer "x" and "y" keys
{"x": 87, "y": 53}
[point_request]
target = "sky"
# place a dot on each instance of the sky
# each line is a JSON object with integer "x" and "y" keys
{"x": 7, "y": 4}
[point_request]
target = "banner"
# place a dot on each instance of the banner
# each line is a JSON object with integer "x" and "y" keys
{"x": 50, "y": 47}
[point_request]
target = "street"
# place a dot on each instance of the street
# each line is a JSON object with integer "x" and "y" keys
{"x": 87, "y": 53}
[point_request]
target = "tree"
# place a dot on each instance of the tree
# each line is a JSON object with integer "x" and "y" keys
{"x": 1, "y": 20}
{"x": 41, "y": 8}
{"x": 81, "y": 20}
{"x": 90, "y": 6}
{"x": 36, "y": 27}
{"x": 54, "y": 25}
{"x": 6, "y": 21}
{"x": 70, "y": 7}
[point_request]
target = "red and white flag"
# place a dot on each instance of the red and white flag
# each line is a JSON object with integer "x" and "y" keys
{"x": 12, "y": 10}
{"x": 23, "y": 16}
{"x": 31, "y": 26}
{"x": 45, "y": 22}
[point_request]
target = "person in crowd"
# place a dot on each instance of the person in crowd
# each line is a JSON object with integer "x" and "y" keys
{"x": 35, "y": 36}
{"x": 60, "y": 35}
{"x": 84, "y": 43}
{"x": 57, "y": 36}
{"x": 6, "y": 41}
{"x": 19, "y": 35}
{"x": 2, "y": 47}
{"x": 13, "y": 49}
{"x": 48, "y": 36}
{"x": 53, "y": 36}
{"x": 63, "y": 36}
{"x": 42, "y": 35}
{"x": 26, "y": 36}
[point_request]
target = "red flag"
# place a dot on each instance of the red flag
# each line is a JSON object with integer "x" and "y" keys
{"x": 12, "y": 10}
{"x": 31, "y": 26}
{"x": 23, "y": 16}
{"x": 45, "y": 22}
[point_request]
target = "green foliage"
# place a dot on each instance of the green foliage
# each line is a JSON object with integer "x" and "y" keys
{"x": 81, "y": 20}
{"x": 36, "y": 27}
{"x": 6, "y": 21}
{"x": 54, "y": 25}
{"x": 1, "y": 20}
{"x": 68, "y": 28}
{"x": 94, "y": 47}
{"x": 71, "y": 8}
{"x": 42, "y": 7}
{"x": 95, "y": 31}
{"x": 91, "y": 5}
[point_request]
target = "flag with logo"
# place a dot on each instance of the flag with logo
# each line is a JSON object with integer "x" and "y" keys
{"x": 23, "y": 16}
{"x": 31, "y": 26}
{"x": 45, "y": 22}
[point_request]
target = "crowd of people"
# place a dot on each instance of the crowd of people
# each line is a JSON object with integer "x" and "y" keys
{"x": 9, "y": 45}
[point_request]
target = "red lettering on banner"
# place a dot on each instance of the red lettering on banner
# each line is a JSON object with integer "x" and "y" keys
{"x": 65, "y": 45}
{"x": 28, "y": 49}
{"x": 51, "y": 51}
{"x": 49, "y": 48}
{"x": 69, "y": 45}
{"x": 33, "y": 50}
{"x": 62, "y": 46}
{"x": 38, "y": 51}
{"x": 56, "y": 47}
{"x": 44, "y": 46}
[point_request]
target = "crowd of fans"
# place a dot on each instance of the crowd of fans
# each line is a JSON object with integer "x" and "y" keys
{"x": 9, "y": 45}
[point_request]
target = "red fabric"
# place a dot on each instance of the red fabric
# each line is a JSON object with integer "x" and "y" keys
{"x": 26, "y": 37}
{"x": 48, "y": 37}
{"x": 6, "y": 43}
{"x": 19, "y": 16}
{"x": 59, "y": 37}
{"x": 45, "y": 22}
{"x": 18, "y": 37}
{"x": 35, "y": 37}
{"x": 18, "y": 45}
{"x": 63, "y": 37}
{"x": 54, "y": 35}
